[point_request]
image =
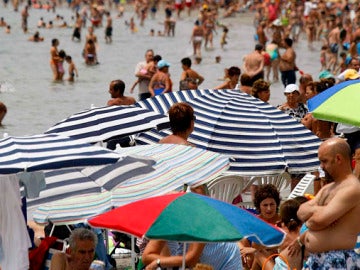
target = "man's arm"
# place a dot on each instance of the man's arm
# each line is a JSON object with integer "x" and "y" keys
{"x": 306, "y": 210}
{"x": 153, "y": 250}
{"x": 261, "y": 67}
{"x": 323, "y": 216}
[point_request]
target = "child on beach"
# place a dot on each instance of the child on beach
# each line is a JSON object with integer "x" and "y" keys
{"x": 323, "y": 53}
{"x": 3, "y": 111}
{"x": 342, "y": 64}
{"x": 133, "y": 28}
{"x": 224, "y": 37}
{"x": 150, "y": 69}
{"x": 72, "y": 68}
{"x": 59, "y": 65}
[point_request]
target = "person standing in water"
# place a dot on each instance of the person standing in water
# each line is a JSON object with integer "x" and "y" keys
{"x": 54, "y": 58}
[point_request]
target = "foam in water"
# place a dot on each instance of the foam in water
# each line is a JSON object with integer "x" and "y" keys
{"x": 6, "y": 87}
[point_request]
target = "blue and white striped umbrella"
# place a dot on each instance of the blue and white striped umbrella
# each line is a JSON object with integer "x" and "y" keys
{"x": 104, "y": 123}
{"x": 49, "y": 151}
{"x": 261, "y": 139}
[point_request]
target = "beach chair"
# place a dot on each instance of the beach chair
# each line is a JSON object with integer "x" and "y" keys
{"x": 302, "y": 186}
{"x": 226, "y": 188}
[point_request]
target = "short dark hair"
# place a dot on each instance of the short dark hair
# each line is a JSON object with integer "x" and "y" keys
{"x": 259, "y": 47}
{"x": 264, "y": 192}
{"x": 118, "y": 85}
{"x": 245, "y": 80}
{"x": 62, "y": 54}
{"x": 186, "y": 61}
{"x": 234, "y": 71}
{"x": 157, "y": 58}
{"x": 180, "y": 114}
{"x": 54, "y": 41}
{"x": 288, "y": 41}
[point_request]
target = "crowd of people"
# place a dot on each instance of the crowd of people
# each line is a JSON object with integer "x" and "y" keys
{"x": 322, "y": 232}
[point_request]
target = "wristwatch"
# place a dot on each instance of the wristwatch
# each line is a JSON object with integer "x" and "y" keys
{"x": 158, "y": 263}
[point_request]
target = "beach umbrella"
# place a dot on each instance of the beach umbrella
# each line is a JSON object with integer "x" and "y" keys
{"x": 49, "y": 151}
{"x": 65, "y": 183}
{"x": 261, "y": 139}
{"x": 175, "y": 166}
{"x": 104, "y": 123}
{"x": 339, "y": 103}
{"x": 188, "y": 217}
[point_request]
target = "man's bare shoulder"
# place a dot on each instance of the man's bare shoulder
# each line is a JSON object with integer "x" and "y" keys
{"x": 59, "y": 261}
{"x": 173, "y": 139}
{"x": 351, "y": 184}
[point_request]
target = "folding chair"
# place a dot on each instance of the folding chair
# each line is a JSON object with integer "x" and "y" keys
{"x": 302, "y": 186}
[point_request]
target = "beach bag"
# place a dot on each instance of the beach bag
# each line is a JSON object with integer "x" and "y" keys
{"x": 183, "y": 84}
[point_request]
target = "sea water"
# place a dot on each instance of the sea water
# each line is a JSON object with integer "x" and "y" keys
{"x": 35, "y": 102}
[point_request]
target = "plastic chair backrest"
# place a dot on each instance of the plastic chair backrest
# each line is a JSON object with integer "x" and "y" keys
{"x": 302, "y": 186}
{"x": 280, "y": 181}
{"x": 226, "y": 188}
{"x": 59, "y": 246}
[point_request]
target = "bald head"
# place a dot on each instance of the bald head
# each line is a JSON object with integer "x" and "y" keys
{"x": 337, "y": 146}
{"x": 335, "y": 159}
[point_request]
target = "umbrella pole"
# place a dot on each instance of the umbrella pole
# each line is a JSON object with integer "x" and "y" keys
{"x": 133, "y": 252}
{"x": 107, "y": 241}
{"x": 184, "y": 255}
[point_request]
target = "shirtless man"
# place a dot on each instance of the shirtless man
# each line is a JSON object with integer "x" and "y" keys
{"x": 116, "y": 90}
{"x": 108, "y": 29}
{"x": 332, "y": 216}
{"x": 77, "y": 28}
{"x": 24, "y": 18}
{"x": 260, "y": 31}
{"x": 81, "y": 252}
{"x": 287, "y": 63}
{"x": 144, "y": 77}
{"x": 334, "y": 44}
{"x": 254, "y": 64}
{"x": 188, "y": 73}
{"x": 182, "y": 120}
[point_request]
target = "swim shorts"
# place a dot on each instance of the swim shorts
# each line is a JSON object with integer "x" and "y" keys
{"x": 334, "y": 48}
{"x": 335, "y": 259}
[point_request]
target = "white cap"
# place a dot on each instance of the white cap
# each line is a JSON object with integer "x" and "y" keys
{"x": 291, "y": 88}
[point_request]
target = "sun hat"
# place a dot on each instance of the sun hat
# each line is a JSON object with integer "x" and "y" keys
{"x": 291, "y": 88}
{"x": 277, "y": 22}
{"x": 351, "y": 74}
{"x": 325, "y": 74}
{"x": 163, "y": 63}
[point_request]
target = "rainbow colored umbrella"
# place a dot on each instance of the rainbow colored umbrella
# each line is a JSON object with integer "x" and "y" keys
{"x": 339, "y": 103}
{"x": 188, "y": 217}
